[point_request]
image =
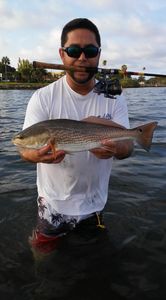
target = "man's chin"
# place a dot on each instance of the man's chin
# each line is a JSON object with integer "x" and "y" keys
{"x": 82, "y": 79}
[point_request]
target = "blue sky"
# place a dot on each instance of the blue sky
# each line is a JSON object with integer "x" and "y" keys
{"x": 133, "y": 31}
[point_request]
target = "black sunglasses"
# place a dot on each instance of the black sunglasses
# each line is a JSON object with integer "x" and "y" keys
{"x": 75, "y": 51}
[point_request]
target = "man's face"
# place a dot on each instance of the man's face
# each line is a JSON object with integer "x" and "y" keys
{"x": 80, "y": 37}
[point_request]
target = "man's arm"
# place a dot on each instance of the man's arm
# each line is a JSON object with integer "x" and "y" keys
{"x": 118, "y": 149}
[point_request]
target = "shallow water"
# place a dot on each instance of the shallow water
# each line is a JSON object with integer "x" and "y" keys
{"x": 129, "y": 261}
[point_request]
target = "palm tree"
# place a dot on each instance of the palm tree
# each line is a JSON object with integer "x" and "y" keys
{"x": 25, "y": 69}
{"x": 104, "y": 62}
{"x": 6, "y": 62}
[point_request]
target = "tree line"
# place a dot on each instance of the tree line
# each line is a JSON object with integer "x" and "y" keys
{"x": 26, "y": 73}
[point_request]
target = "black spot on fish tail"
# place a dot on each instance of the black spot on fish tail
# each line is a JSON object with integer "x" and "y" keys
{"x": 145, "y": 135}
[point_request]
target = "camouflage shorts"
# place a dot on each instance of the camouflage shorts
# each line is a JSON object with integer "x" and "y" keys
{"x": 50, "y": 222}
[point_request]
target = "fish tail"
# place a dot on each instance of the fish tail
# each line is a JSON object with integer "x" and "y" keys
{"x": 145, "y": 135}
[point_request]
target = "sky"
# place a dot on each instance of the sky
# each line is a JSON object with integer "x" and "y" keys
{"x": 133, "y": 32}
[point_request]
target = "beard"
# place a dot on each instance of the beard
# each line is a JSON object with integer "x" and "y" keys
{"x": 82, "y": 81}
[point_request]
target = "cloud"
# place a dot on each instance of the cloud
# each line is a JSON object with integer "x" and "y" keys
{"x": 133, "y": 32}
{"x": 46, "y": 50}
{"x": 133, "y": 40}
{"x": 29, "y": 14}
{"x": 10, "y": 18}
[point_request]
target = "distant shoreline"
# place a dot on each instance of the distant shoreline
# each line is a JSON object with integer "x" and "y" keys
{"x": 21, "y": 85}
{"x": 32, "y": 86}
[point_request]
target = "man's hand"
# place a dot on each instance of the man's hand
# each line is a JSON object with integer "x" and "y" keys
{"x": 118, "y": 149}
{"x": 107, "y": 150}
{"x": 42, "y": 155}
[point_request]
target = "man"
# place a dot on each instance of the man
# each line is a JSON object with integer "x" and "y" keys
{"x": 73, "y": 189}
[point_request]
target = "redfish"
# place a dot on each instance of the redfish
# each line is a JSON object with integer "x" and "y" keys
{"x": 73, "y": 136}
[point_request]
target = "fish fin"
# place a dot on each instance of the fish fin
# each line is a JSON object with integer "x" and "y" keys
{"x": 102, "y": 121}
{"x": 108, "y": 145}
{"x": 52, "y": 145}
{"x": 109, "y": 149}
{"x": 145, "y": 135}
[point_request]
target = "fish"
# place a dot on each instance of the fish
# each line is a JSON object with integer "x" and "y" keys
{"x": 75, "y": 136}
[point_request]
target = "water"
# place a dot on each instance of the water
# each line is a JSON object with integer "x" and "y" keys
{"x": 128, "y": 265}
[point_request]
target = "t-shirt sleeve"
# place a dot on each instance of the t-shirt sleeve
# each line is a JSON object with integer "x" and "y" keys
{"x": 37, "y": 110}
{"x": 120, "y": 111}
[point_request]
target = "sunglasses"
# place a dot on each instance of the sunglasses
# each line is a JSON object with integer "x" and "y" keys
{"x": 75, "y": 51}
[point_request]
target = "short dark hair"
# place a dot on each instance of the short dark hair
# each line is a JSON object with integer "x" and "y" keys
{"x": 79, "y": 23}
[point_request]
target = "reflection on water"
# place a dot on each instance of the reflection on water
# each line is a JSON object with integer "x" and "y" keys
{"x": 77, "y": 269}
{"x": 126, "y": 262}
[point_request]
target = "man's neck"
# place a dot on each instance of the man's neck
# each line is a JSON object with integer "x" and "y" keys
{"x": 80, "y": 88}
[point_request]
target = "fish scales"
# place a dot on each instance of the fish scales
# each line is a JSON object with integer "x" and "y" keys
{"x": 73, "y": 136}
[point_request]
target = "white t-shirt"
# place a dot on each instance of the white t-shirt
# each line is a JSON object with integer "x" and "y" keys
{"x": 79, "y": 184}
